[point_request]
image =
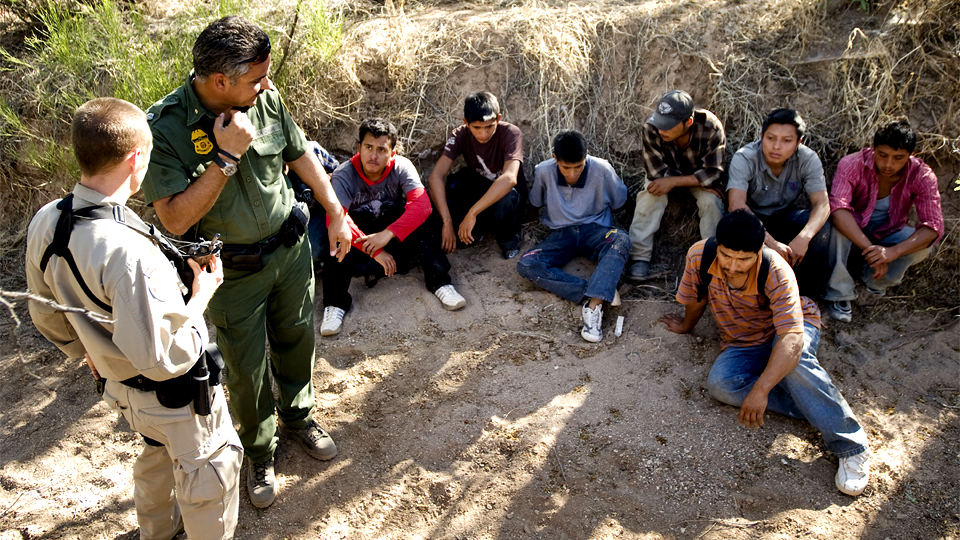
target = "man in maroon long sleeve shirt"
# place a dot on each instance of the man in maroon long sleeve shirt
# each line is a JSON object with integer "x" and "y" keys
{"x": 386, "y": 206}
{"x": 870, "y": 202}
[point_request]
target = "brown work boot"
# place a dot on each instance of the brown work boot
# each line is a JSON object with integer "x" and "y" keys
{"x": 261, "y": 483}
{"x": 317, "y": 442}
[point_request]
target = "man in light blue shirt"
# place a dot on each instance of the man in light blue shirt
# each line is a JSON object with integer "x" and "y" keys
{"x": 578, "y": 193}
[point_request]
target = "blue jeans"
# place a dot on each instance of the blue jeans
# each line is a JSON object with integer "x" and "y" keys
{"x": 841, "y": 285}
{"x": 609, "y": 247}
{"x": 805, "y": 393}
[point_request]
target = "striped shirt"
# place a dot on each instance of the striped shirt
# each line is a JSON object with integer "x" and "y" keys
{"x": 702, "y": 157}
{"x": 741, "y": 320}
{"x": 855, "y": 188}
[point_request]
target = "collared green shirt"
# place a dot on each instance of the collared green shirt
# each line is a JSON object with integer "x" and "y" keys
{"x": 257, "y": 199}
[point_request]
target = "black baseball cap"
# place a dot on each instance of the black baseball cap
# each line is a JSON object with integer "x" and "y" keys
{"x": 674, "y": 107}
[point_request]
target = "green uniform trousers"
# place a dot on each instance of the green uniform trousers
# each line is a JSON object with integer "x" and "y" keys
{"x": 250, "y": 308}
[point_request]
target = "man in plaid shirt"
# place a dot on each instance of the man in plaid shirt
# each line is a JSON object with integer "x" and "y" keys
{"x": 870, "y": 202}
{"x": 682, "y": 148}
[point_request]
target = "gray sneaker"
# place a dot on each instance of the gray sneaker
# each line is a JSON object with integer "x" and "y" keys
{"x": 315, "y": 441}
{"x": 592, "y": 318}
{"x": 876, "y": 292}
{"x": 261, "y": 483}
{"x": 840, "y": 310}
{"x": 639, "y": 271}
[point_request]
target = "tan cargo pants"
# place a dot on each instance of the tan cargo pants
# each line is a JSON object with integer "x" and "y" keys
{"x": 193, "y": 476}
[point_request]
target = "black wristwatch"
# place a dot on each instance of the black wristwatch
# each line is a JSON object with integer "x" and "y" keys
{"x": 228, "y": 169}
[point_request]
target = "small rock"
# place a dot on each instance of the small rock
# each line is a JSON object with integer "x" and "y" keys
{"x": 526, "y": 529}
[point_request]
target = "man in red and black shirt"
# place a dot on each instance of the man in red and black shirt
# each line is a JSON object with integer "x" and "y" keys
{"x": 386, "y": 207}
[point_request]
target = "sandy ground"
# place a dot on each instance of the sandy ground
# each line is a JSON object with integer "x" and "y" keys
{"x": 499, "y": 421}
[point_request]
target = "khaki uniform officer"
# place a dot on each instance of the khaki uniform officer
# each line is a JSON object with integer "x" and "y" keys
{"x": 155, "y": 336}
{"x": 221, "y": 141}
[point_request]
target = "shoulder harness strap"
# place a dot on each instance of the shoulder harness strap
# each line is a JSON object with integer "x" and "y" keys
{"x": 60, "y": 246}
{"x": 68, "y": 216}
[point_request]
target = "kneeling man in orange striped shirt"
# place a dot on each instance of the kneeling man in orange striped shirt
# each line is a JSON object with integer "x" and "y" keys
{"x": 769, "y": 336}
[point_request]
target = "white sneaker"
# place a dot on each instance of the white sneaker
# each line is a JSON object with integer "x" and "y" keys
{"x": 853, "y": 474}
{"x": 332, "y": 321}
{"x": 591, "y": 324}
{"x": 450, "y": 298}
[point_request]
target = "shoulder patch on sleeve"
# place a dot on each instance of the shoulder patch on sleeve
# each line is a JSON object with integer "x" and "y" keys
{"x": 156, "y": 110}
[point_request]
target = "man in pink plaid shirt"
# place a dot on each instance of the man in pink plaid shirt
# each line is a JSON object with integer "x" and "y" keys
{"x": 870, "y": 201}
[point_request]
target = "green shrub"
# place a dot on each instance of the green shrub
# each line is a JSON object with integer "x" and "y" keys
{"x": 109, "y": 49}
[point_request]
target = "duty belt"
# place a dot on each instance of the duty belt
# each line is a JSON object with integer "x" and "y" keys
{"x": 249, "y": 257}
{"x": 193, "y": 386}
{"x": 141, "y": 383}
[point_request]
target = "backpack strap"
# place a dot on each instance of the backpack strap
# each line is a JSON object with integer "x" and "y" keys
{"x": 709, "y": 254}
{"x": 762, "y": 274}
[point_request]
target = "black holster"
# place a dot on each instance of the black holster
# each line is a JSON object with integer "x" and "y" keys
{"x": 245, "y": 257}
{"x": 249, "y": 257}
{"x": 204, "y": 374}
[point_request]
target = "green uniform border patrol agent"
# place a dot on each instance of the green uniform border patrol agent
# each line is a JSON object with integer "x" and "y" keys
{"x": 221, "y": 142}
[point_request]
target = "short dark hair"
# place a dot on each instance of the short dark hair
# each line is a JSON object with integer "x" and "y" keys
{"x": 897, "y": 135}
{"x": 570, "y": 146}
{"x": 229, "y": 46}
{"x": 741, "y": 231}
{"x": 104, "y": 131}
{"x": 378, "y": 127}
{"x": 785, "y": 116}
{"x": 480, "y": 107}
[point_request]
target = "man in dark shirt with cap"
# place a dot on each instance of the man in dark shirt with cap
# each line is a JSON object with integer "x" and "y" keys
{"x": 682, "y": 148}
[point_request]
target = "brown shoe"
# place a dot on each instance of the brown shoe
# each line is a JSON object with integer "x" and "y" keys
{"x": 317, "y": 442}
{"x": 261, "y": 483}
